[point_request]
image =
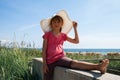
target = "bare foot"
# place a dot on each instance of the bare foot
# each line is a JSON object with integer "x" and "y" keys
{"x": 103, "y": 66}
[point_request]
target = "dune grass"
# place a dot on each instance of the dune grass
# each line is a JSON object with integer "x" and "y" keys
{"x": 14, "y": 63}
{"x": 96, "y": 58}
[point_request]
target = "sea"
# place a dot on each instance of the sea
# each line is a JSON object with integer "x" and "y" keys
{"x": 92, "y": 50}
{"x": 102, "y": 51}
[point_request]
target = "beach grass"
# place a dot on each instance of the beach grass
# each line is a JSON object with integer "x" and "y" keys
{"x": 94, "y": 57}
{"x": 15, "y": 63}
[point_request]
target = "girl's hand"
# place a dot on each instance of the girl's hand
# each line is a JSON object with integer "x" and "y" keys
{"x": 45, "y": 68}
{"x": 74, "y": 24}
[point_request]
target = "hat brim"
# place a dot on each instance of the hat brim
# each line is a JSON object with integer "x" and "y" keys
{"x": 67, "y": 26}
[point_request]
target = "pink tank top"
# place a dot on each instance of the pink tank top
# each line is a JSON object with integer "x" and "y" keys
{"x": 54, "y": 46}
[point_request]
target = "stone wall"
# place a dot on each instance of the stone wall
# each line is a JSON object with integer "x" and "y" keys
{"x": 62, "y": 73}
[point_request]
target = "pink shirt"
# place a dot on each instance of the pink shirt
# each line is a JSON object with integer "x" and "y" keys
{"x": 54, "y": 46}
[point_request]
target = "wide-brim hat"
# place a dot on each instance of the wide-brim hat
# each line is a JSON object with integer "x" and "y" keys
{"x": 67, "y": 26}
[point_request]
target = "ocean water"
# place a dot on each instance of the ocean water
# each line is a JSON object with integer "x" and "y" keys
{"x": 102, "y": 51}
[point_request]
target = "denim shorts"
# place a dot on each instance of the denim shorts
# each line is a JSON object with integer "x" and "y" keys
{"x": 63, "y": 62}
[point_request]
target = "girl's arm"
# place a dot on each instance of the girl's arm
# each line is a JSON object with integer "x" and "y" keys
{"x": 76, "y": 38}
{"x": 45, "y": 68}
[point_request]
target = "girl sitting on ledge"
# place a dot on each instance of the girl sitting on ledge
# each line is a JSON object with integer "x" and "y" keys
{"x": 52, "y": 51}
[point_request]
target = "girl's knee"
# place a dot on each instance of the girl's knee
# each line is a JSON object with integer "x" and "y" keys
{"x": 74, "y": 63}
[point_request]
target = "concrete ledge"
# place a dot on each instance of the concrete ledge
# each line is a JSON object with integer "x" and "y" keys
{"x": 71, "y": 74}
{"x": 62, "y": 73}
{"x": 37, "y": 67}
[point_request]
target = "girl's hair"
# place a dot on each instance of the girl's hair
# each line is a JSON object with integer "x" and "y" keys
{"x": 58, "y": 18}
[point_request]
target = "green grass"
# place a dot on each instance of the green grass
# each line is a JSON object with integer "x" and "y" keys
{"x": 92, "y": 57}
{"x": 14, "y": 63}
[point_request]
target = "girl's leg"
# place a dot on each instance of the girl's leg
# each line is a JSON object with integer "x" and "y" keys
{"x": 50, "y": 73}
{"x": 90, "y": 66}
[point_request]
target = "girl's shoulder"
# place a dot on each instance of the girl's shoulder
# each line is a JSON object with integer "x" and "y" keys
{"x": 63, "y": 34}
{"x": 47, "y": 33}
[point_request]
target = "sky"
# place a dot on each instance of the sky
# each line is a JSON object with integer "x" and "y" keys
{"x": 98, "y": 21}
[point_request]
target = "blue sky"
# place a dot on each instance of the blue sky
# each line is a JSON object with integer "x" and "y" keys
{"x": 98, "y": 21}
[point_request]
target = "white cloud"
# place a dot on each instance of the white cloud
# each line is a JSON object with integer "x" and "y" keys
{"x": 4, "y": 42}
{"x": 23, "y": 28}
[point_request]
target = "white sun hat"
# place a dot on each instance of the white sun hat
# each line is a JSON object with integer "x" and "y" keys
{"x": 67, "y": 26}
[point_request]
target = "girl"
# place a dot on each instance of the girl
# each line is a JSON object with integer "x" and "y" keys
{"x": 53, "y": 54}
